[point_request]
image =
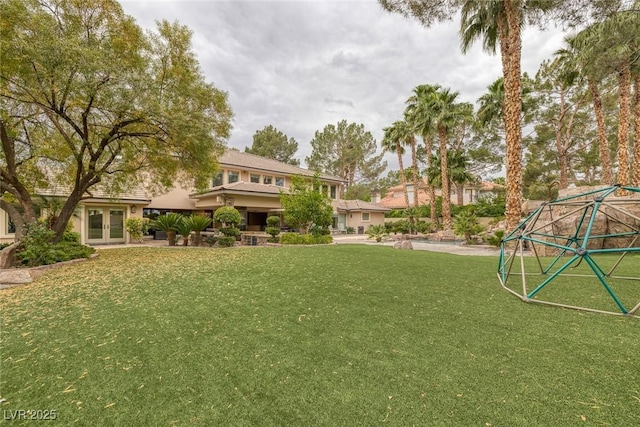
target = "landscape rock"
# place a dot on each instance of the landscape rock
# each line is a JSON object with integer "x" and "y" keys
{"x": 8, "y": 256}
{"x": 15, "y": 277}
{"x": 403, "y": 244}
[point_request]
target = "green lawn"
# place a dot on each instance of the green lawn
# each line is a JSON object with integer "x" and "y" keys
{"x": 334, "y": 335}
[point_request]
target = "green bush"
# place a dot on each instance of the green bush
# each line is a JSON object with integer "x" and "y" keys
{"x": 273, "y": 228}
{"x": 137, "y": 227}
{"x": 211, "y": 240}
{"x": 424, "y": 227}
{"x": 466, "y": 224}
{"x": 305, "y": 239}
{"x": 230, "y": 232}
{"x": 5, "y": 245}
{"x": 71, "y": 236}
{"x": 377, "y": 232}
{"x": 37, "y": 248}
{"x": 226, "y": 241}
{"x": 350, "y": 230}
{"x": 496, "y": 238}
{"x": 228, "y": 216}
{"x": 401, "y": 226}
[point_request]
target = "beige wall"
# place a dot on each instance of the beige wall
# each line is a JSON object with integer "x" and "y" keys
{"x": 177, "y": 198}
{"x": 355, "y": 219}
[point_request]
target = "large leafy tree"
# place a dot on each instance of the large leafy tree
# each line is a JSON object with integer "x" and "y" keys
{"x": 306, "y": 205}
{"x": 87, "y": 99}
{"x": 272, "y": 143}
{"x": 346, "y": 150}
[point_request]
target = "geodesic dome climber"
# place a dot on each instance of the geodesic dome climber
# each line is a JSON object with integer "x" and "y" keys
{"x": 580, "y": 251}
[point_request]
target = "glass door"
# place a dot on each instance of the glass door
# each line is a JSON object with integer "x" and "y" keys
{"x": 105, "y": 225}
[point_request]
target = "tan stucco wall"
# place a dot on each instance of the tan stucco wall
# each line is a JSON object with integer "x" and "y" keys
{"x": 177, "y": 198}
{"x": 354, "y": 219}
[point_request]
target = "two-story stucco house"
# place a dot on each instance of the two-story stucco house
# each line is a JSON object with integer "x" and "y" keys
{"x": 250, "y": 183}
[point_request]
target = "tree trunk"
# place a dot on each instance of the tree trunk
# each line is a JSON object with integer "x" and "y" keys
{"x": 446, "y": 191}
{"x": 606, "y": 176}
{"x": 460, "y": 194}
{"x": 562, "y": 153}
{"x": 430, "y": 191}
{"x": 403, "y": 178}
{"x": 636, "y": 131}
{"x": 510, "y": 49}
{"x": 414, "y": 165}
{"x": 624, "y": 98}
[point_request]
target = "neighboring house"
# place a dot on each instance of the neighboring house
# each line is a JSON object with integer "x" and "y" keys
{"x": 471, "y": 193}
{"x": 250, "y": 183}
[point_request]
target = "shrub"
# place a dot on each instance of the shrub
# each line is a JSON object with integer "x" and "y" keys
{"x": 183, "y": 228}
{"x": 377, "y": 231}
{"x": 71, "y": 236}
{"x": 401, "y": 226}
{"x": 230, "y": 232}
{"x": 273, "y": 228}
{"x": 423, "y": 227}
{"x": 137, "y": 227}
{"x": 228, "y": 216}
{"x": 466, "y": 224}
{"x": 197, "y": 223}
{"x": 211, "y": 240}
{"x": 305, "y": 239}
{"x": 37, "y": 248}
{"x": 168, "y": 224}
{"x": 226, "y": 241}
{"x": 350, "y": 230}
{"x": 496, "y": 238}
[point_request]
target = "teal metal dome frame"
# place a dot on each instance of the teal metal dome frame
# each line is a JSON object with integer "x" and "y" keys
{"x": 569, "y": 244}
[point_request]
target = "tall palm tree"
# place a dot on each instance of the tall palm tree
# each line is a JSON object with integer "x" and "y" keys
{"x": 418, "y": 113}
{"x": 499, "y": 22}
{"x": 445, "y": 115}
{"x": 636, "y": 126}
{"x": 394, "y": 140}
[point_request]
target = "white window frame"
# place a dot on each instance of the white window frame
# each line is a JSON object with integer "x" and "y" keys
{"x": 266, "y": 178}
{"x": 254, "y": 175}
{"x": 229, "y": 176}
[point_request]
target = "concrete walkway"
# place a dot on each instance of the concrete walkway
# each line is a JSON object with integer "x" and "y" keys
{"x": 422, "y": 246}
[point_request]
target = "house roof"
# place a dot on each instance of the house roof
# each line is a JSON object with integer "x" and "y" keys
{"x": 358, "y": 205}
{"x": 137, "y": 194}
{"x": 241, "y": 187}
{"x": 249, "y": 161}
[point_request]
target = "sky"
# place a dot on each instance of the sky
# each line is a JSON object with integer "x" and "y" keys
{"x": 300, "y": 65}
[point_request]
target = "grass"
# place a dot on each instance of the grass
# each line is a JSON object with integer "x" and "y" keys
{"x": 330, "y": 335}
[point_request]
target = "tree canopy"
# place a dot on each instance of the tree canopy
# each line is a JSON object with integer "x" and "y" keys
{"x": 346, "y": 150}
{"x": 270, "y": 142}
{"x": 306, "y": 204}
{"x": 88, "y": 99}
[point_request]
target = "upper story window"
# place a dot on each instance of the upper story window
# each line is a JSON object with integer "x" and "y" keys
{"x": 234, "y": 176}
{"x": 333, "y": 190}
{"x": 217, "y": 180}
{"x": 267, "y": 179}
{"x": 280, "y": 181}
{"x": 254, "y": 177}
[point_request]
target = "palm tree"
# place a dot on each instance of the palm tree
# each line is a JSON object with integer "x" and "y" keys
{"x": 419, "y": 114}
{"x": 197, "y": 223}
{"x": 459, "y": 172}
{"x": 394, "y": 140}
{"x": 445, "y": 115}
{"x": 580, "y": 50}
{"x": 500, "y": 23}
{"x": 636, "y": 125}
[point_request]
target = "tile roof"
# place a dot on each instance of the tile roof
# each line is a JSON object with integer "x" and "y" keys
{"x": 255, "y": 162}
{"x": 358, "y": 205}
{"x": 137, "y": 194}
{"x": 241, "y": 186}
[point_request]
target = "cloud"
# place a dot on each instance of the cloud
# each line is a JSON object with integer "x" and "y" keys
{"x": 301, "y": 65}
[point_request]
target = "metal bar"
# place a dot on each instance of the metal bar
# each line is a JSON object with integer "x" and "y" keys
{"x": 604, "y": 283}
{"x": 615, "y": 265}
{"x": 553, "y": 276}
{"x": 592, "y": 220}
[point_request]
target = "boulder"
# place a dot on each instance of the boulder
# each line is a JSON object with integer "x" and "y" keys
{"x": 403, "y": 244}
{"x": 8, "y": 256}
{"x": 15, "y": 277}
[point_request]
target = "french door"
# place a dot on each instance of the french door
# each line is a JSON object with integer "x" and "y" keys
{"x": 105, "y": 225}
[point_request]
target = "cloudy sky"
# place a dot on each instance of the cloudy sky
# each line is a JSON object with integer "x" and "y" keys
{"x": 302, "y": 64}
